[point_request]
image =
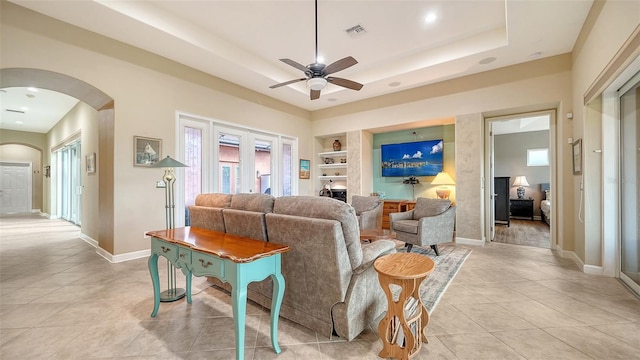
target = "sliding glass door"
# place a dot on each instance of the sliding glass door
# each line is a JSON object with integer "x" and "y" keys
{"x": 630, "y": 173}
{"x": 69, "y": 189}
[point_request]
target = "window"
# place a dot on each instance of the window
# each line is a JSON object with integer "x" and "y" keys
{"x": 537, "y": 157}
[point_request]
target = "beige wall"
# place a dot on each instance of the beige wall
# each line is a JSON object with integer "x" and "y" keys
{"x": 28, "y": 147}
{"x": 148, "y": 91}
{"x": 609, "y": 25}
{"x": 80, "y": 121}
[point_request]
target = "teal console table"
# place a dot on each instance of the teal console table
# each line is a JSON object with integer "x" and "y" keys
{"x": 233, "y": 259}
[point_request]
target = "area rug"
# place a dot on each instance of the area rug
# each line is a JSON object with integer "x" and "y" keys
{"x": 447, "y": 266}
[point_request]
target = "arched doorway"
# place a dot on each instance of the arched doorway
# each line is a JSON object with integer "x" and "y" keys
{"x": 104, "y": 104}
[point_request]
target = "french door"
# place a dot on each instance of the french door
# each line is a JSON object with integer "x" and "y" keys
{"x": 69, "y": 182}
{"x": 227, "y": 159}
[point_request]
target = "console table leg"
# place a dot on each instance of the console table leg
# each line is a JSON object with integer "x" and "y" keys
{"x": 276, "y": 302}
{"x": 155, "y": 279}
{"x": 239, "y": 304}
{"x": 189, "y": 278}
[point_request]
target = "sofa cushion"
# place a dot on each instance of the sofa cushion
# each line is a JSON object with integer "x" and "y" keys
{"x": 430, "y": 207}
{"x": 262, "y": 203}
{"x": 321, "y": 207}
{"x": 408, "y": 226}
{"x": 214, "y": 200}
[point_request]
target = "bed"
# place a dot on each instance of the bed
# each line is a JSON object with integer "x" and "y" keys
{"x": 545, "y": 203}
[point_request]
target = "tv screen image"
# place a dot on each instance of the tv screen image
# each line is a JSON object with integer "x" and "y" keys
{"x": 420, "y": 158}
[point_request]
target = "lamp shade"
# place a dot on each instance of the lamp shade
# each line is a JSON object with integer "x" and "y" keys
{"x": 443, "y": 179}
{"x": 521, "y": 181}
{"x": 168, "y": 162}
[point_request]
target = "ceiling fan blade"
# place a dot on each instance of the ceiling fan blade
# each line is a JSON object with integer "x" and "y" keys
{"x": 345, "y": 83}
{"x": 339, "y": 65}
{"x": 286, "y": 83}
{"x": 295, "y": 65}
{"x": 315, "y": 94}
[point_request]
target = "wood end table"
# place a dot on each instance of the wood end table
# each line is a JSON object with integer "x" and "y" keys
{"x": 402, "y": 328}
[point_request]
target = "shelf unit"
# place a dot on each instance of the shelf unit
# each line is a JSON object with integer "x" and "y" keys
{"x": 335, "y": 171}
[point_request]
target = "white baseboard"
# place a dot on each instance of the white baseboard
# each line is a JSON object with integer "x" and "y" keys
{"x": 466, "y": 241}
{"x": 123, "y": 257}
{"x": 89, "y": 240}
{"x": 592, "y": 269}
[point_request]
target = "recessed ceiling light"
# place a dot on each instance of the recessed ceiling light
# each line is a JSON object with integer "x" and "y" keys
{"x": 535, "y": 55}
{"x": 431, "y": 17}
{"x": 487, "y": 60}
{"x": 19, "y": 122}
{"x": 32, "y": 89}
{"x": 394, "y": 84}
{"x": 30, "y": 96}
{"x": 332, "y": 99}
{"x": 24, "y": 108}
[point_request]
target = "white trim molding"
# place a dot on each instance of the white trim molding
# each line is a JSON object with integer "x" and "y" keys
{"x": 122, "y": 257}
{"x": 89, "y": 240}
{"x": 466, "y": 241}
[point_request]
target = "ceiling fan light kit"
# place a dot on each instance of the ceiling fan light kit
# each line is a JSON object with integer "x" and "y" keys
{"x": 317, "y": 73}
{"x": 317, "y": 83}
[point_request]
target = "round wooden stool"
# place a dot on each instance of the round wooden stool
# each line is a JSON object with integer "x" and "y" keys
{"x": 402, "y": 328}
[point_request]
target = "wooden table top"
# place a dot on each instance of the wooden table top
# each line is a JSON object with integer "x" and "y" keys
{"x": 404, "y": 265}
{"x": 235, "y": 248}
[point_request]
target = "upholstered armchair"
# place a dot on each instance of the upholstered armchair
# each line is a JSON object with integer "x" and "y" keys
{"x": 368, "y": 211}
{"x": 431, "y": 222}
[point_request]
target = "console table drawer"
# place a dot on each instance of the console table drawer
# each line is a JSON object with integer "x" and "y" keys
{"x": 204, "y": 264}
{"x": 169, "y": 251}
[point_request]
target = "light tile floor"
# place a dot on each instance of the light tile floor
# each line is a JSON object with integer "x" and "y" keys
{"x": 60, "y": 300}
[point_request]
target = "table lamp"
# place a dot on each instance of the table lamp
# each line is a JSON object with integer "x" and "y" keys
{"x": 443, "y": 179}
{"x": 169, "y": 178}
{"x": 520, "y": 182}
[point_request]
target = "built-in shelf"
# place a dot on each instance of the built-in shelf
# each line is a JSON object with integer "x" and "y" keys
{"x": 333, "y": 153}
{"x": 333, "y": 177}
{"x": 333, "y": 166}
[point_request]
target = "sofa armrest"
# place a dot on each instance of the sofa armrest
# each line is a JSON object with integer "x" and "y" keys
{"x": 405, "y": 215}
{"x": 372, "y": 251}
{"x": 438, "y": 228}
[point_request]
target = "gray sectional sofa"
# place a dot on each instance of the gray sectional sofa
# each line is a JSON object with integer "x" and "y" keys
{"x": 331, "y": 285}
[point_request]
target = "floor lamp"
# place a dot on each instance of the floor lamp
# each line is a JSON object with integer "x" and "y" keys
{"x": 168, "y": 164}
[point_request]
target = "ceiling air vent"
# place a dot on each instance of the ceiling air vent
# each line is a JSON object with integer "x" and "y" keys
{"x": 356, "y": 31}
{"x": 15, "y": 111}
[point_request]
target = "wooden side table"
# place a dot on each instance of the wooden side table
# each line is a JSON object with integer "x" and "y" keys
{"x": 402, "y": 328}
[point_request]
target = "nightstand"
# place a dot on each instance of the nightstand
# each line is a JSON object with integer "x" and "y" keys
{"x": 521, "y": 208}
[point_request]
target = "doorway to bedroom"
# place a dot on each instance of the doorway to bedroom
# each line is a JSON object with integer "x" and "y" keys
{"x": 519, "y": 178}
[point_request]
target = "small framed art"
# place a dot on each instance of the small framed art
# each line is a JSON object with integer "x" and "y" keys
{"x": 577, "y": 157}
{"x": 91, "y": 163}
{"x": 146, "y": 151}
{"x": 305, "y": 169}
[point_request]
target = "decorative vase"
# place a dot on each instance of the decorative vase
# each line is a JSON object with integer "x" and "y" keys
{"x": 337, "y": 146}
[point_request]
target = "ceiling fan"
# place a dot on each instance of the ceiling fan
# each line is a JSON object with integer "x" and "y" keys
{"x": 317, "y": 73}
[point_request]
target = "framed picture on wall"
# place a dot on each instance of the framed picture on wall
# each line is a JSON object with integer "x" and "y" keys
{"x": 577, "y": 157}
{"x": 91, "y": 163}
{"x": 305, "y": 169}
{"x": 146, "y": 151}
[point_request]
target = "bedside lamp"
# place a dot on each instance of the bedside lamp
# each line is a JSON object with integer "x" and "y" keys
{"x": 443, "y": 179}
{"x": 520, "y": 182}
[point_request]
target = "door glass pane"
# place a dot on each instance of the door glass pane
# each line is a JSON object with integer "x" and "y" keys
{"x": 262, "y": 159}
{"x": 193, "y": 171}
{"x": 287, "y": 170}
{"x": 229, "y": 164}
{"x": 630, "y": 172}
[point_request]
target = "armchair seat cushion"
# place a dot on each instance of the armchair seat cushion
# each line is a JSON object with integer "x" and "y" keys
{"x": 407, "y": 226}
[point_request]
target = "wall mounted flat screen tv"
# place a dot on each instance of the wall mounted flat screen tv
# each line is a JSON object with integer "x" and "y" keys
{"x": 420, "y": 158}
